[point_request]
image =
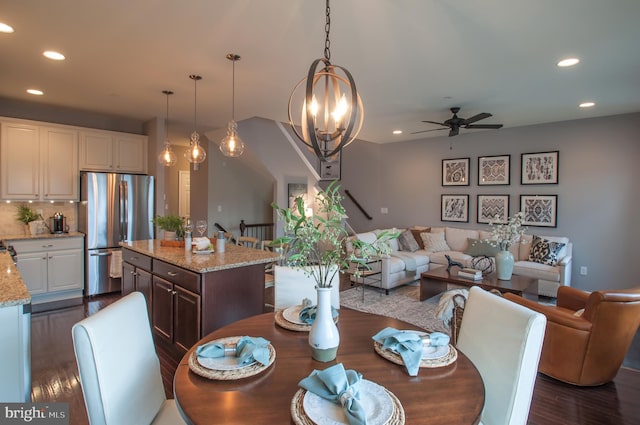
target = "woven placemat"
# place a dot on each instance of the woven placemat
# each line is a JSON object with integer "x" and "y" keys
{"x": 228, "y": 375}
{"x": 284, "y": 323}
{"x": 429, "y": 363}
{"x": 300, "y": 417}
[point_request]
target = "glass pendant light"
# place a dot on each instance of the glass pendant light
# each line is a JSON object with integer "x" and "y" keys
{"x": 195, "y": 154}
{"x": 167, "y": 157}
{"x": 232, "y": 145}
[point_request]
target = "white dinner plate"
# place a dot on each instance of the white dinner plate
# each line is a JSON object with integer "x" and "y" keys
{"x": 292, "y": 314}
{"x": 222, "y": 363}
{"x": 206, "y": 251}
{"x": 375, "y": 400}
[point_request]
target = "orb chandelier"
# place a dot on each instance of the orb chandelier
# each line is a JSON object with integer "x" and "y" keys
{"x": 167, "y": 157}
{"x": 232, "y": 145}
{"x": 195, "y": 154}
{"x": 332, "y": 111}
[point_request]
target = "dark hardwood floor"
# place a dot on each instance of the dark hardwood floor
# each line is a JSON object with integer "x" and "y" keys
{"x": 55, "y": 378}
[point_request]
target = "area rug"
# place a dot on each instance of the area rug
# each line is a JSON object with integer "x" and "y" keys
{"x": 402, "y": 303}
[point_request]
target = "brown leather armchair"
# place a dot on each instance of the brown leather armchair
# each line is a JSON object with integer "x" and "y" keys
{"x": 586, "y": 349}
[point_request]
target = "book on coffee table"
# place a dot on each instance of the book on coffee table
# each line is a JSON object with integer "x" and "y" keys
{"x": 470, "y": 274}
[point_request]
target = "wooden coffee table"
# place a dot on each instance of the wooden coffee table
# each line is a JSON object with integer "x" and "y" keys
{"x": 438, "y": 280}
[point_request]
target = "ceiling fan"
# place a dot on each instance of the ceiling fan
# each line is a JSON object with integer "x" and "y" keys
{"x": 455, "y": 123}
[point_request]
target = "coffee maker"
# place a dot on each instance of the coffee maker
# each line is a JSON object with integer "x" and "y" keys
{"x": 58, "y": 223}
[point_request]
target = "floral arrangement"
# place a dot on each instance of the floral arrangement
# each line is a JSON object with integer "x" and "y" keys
{"x": 319, "y": 239}
{"x": 505, "y": 235}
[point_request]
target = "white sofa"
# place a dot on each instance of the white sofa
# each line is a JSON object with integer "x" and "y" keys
{"x": 394, "y": 272}
{"x": 394, "y": 266}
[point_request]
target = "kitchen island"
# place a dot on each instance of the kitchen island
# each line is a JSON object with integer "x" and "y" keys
{"x": 190, "y": 295}
{"x": 15, "y": 331}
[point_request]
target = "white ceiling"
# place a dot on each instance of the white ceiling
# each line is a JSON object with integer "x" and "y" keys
{"x": 411, "y": 59}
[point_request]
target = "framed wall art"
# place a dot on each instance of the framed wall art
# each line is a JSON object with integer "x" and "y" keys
{"x": 455, "y": 208}
{"x": 539, "y": 210}
{"x": 331, "y": 169}
{"x": 493, "y": 209}
{"x": 297, "y": 190}
{"x": 455, "y": 172}
{"x": 540, "y": 168}
{"x": 494, "y": 170}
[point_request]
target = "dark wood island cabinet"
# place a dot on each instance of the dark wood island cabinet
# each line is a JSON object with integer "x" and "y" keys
{"x": 190, "y": 295}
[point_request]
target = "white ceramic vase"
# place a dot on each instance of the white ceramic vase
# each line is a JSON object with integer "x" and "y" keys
{"x": 504, "y": 264}
{"x": 324, "y": 337}
{"x": 169, "y": 236}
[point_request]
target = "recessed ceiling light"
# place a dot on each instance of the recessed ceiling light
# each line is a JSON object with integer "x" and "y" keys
{"x": 587, "y": 104}
{"x": 56, "y": 56}
{"x": 397, "y": 131}
{"x": 6, "y": 28}
{"x": 568, "y": 62}
{"x": 35, "y": 92}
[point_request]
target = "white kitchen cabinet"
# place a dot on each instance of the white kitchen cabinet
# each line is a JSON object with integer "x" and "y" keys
{"x": 33, "y": 269}
{"x": 113, "y": 152}
{"x": 38, "y": 163}
{"x": 20, "y": 161}
{"x": 60, "y": 175}
{"x": 15, "y": 352}
{"x": 52, "y": 268}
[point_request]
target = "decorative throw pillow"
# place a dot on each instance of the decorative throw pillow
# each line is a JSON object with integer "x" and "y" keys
{"x": 416, "y": 234}
{"x": 478, "y": 247}
{"x": 544, "y": 251}
{"x": 434, "y": 242}
{"x": 407, "y": 242}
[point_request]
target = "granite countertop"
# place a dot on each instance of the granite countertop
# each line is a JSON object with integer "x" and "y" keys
{"x": 41, "y": 236}
{"x": 13, "y": 291}
{"x": 233, "y": 257}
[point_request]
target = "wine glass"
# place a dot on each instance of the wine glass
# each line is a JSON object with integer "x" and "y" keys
{"x": 188, "y": 227}
{"x": 201, "y": 226}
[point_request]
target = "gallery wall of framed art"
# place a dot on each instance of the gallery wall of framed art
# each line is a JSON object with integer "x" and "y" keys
{"x": 536, "y": 168}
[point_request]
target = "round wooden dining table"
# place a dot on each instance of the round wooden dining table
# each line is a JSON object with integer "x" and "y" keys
{"x": 452, "y": 394}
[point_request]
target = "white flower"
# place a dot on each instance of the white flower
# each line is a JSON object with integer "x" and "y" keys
{"x": 505, "y": 235}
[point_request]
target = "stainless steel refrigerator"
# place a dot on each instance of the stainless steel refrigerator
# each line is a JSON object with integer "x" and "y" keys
{"x": 113, "y": 208}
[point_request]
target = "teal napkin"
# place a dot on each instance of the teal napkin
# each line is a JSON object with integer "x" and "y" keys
{"x": 308, "y": 313}
{"x": 248, "y": 349}
{"x": 339, "y": 386}
{"x": 407, "y": 344}
{"x": 438, "y": 339}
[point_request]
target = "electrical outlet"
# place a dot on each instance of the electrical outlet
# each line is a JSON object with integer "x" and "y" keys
{"x": 583, "y": 270}
{"x": 384, "y": 210}
{"x": 219, "y": 208}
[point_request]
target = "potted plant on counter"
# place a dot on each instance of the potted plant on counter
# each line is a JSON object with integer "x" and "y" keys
{"x": 316, "y": 245}
{"x": 27, "y": 216}
{"x": 172, "y": 224}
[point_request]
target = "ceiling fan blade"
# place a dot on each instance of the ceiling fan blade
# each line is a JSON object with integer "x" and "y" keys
{"x": 484, "y": 126}
{"x": 435, "y": 122}
{"x": 454, "y": 131}
{"x": 477, "y": 118}
{"x": 433, "y": 129}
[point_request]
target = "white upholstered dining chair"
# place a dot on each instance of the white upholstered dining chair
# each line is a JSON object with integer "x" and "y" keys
{"x": 119, "y": 368}
{"x": 504, "y": 341}
{"x": 292, "y": 285}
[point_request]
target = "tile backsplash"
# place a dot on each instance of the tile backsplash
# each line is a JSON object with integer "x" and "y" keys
{"x": 9, "y": 224}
